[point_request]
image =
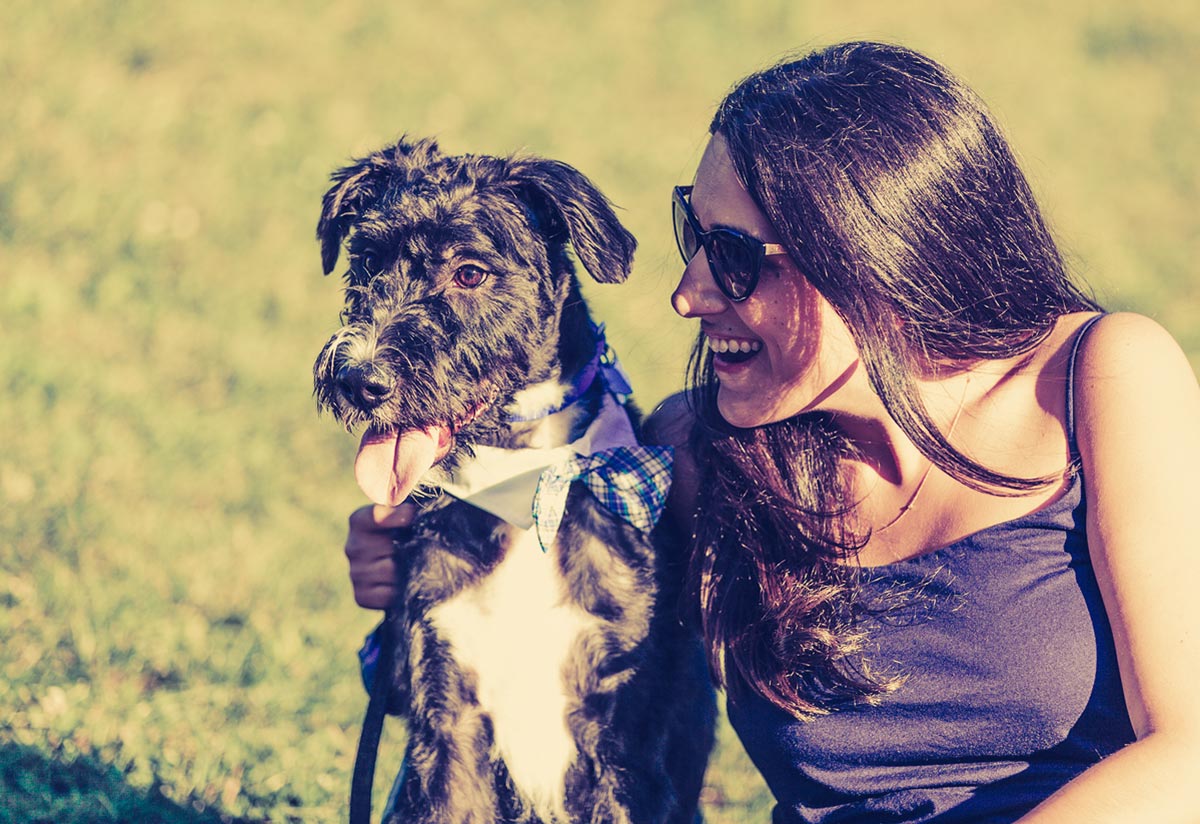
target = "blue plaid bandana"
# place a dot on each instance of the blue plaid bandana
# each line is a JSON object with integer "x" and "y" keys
{"x": 630, "y": 481}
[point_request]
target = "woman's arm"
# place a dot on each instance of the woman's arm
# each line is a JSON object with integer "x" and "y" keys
{"x": 1138, "y": 429}
{"x": 669, "y": 425}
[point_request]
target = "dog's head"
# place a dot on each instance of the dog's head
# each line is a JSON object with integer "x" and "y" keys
{"x": 459, "y": 293}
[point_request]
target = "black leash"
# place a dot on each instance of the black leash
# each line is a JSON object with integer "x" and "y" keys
{"x": 372, "y": 728}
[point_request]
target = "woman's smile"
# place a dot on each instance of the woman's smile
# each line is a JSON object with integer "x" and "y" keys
{"x": 732, "y": 350}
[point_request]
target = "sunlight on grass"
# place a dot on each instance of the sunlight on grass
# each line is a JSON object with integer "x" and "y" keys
{"x": 178, "y": 627}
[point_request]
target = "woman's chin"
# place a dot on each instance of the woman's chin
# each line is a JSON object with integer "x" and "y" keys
{"x": 747, "y": 412}
{"x": 750, "y": 407}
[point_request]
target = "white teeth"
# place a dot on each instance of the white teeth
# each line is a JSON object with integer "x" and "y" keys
{"x": 721, "y": 345}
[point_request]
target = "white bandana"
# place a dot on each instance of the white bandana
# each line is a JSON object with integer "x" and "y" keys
{"x": 504, "y": 481}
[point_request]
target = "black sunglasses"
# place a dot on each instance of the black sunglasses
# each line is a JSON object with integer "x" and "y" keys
{"x": 735, "y": 259}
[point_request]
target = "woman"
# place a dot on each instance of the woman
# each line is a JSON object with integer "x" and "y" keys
{"x": 940, "y": 555}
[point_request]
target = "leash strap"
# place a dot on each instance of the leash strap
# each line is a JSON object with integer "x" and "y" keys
{"x": 372, "y": 728}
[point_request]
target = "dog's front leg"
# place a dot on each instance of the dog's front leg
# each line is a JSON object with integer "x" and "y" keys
{"x": 448, "y": 777}
{"x": 620, "y": 776}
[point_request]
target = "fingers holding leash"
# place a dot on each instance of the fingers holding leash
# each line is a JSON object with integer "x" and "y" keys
{"x": 369, "y": 550}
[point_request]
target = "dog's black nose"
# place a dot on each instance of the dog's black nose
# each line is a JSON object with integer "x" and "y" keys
{"x": 365, "y": 384}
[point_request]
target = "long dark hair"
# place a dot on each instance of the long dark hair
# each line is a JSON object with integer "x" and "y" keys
{"x": 898, "y": 198}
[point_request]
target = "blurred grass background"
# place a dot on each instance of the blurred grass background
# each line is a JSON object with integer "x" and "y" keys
{"x": 177, "y": 631}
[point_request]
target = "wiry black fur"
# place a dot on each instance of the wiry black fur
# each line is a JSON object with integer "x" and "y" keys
{"x": 416, "y": 349}
{"x": 412, "y": 215}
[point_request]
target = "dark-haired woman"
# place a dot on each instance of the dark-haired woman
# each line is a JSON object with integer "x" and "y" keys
{"x": 942, "y": 554}
{"x": 942, "y": 550}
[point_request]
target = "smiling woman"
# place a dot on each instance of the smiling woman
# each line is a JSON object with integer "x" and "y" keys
{"x": 883, "y": 314}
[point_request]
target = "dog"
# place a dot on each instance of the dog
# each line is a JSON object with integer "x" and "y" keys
{"x": 541, "y": 664}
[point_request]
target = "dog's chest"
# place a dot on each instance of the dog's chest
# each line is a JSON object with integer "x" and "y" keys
{"x": 515, "y": 631}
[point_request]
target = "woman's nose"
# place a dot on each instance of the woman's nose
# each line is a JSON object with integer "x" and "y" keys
{"x": 697, "y": 293}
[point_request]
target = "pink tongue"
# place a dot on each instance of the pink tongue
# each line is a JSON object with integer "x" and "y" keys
{"x": 390, "y": 465}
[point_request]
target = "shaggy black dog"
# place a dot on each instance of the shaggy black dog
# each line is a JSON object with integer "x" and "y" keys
{"x": 542, "y": 680}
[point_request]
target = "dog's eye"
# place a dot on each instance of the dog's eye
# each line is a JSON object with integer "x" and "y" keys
{"x": 468, "y": 277}
{"x": 368, "y": 262}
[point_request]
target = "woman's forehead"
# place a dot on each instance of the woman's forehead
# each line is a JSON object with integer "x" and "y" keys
{"x": 720, "y": 200}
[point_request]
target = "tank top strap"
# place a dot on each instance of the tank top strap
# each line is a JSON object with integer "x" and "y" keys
{"x": 1079, "y": 336}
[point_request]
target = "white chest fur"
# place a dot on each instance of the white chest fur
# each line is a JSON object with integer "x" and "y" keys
{"x": 515, "y": 630}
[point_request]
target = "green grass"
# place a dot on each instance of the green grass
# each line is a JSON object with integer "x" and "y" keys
{"x": 177, "y": 632}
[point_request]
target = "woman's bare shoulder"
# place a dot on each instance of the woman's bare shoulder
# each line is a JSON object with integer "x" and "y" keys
{"x": 1130, "y": 369}
{"x": 1126, "y": 343}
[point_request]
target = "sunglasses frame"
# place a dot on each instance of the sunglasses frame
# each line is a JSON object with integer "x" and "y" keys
{"x": 756, "y": 250}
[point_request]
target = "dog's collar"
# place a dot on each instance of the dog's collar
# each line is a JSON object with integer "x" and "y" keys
{"x": 604, "y": 364}
{"x": 504, "y": 481}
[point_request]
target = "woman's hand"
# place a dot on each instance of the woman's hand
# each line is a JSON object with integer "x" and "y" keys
{"x": 369, "y": 550}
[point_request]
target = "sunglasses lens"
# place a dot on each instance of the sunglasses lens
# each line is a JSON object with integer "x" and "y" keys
{"x": 685, "y": 236}
{"x": 734, "y": 262}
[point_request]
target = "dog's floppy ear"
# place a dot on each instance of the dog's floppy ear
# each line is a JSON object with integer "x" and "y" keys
{"x": 360, "y": 183}
{"x": 352, "y": 186}
{"x": 565, "y": 200}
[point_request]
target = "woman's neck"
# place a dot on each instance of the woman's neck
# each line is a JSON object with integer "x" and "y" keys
{"x": 886, "y": 456}
{"x": 860, "y": 414}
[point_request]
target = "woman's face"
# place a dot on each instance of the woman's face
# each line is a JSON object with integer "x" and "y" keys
{"x": 781, "y": 351}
